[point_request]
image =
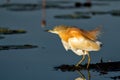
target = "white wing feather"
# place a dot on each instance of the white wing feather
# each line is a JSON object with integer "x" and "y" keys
{"x": 78, "y": 45}
{"x": 68, "y": 46}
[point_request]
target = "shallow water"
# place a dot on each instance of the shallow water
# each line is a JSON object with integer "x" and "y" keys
{"x": 39, "y": 63}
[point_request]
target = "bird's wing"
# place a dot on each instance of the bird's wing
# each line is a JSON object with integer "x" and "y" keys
{"x": 92, "y": 34}
{"x": 65, "y": 45}
{"x": 83, "y": 44}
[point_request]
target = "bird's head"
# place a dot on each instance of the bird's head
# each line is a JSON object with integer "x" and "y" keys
{"x": 58, "y": 29}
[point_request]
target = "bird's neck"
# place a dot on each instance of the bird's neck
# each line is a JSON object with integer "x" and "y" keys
{"x": 64, "y": 36}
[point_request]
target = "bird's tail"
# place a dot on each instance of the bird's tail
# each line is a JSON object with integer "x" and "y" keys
{"x": 95, "y": 33}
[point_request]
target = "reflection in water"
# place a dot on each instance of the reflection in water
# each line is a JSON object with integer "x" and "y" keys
{"x": 43, "y": 22}
{"x": 79, "y": 78}
{"x": 88, "y": 3}
{"x": 82, "y": 76}
{"x": 74, "y": 68}
{"x": 103, "y": 68}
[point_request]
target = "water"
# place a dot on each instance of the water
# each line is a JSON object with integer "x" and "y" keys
{"x": 38, "y": 63}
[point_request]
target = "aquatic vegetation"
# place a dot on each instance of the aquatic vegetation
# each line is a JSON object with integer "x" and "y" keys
{"x": 10, "y": 31}
{"x": 115, "y": 13}
{"x": 25, "y": 46}
{"x": 27, "y": 7}
{"x": 106, "y": 0}
{"x": 7, "y": 31}
{"x": 73, "y": 16}
{"x": 18, "y": 5}
{"x": 115, "y": 77}
{"x": 49, "y": 4}
{"x": 87, "y": 14}
{"x": 99, "y": 12}
{"x": 1, "y": 37}
{"x": 102, "y": 67}
{"x": 93, "y": 12}
{"x": 5, "y": 5}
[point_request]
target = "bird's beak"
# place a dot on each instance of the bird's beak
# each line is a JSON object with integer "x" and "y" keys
{"x": 49, "y": 31}
{"x": 46, "y": 30}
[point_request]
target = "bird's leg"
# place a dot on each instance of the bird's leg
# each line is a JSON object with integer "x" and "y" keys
{"x": 83, "y": 58}
{"x": 89, "y": 75}
{"x": 81, "y": 75}
{"x": 88, "y": 60}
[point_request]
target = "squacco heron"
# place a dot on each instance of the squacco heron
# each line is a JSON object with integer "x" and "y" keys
{"x": 78, "y": 40}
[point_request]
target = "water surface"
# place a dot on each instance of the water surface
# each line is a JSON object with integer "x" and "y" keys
{"x": 38, "y": 63}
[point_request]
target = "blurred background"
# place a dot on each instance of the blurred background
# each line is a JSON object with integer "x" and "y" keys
{"x": 27, "y": 52}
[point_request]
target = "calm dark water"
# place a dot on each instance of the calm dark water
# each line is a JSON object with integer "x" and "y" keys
{"x": 38, "y": 63}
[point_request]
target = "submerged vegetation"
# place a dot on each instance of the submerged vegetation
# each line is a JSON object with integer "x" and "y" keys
{"x": 87, "y": 15}
{"x": 10, "y": 31}
{"x": 49, "y": 4}
{"x": 7, "y": 31}
{"x": 25, "y": 46}
{"x": 103, "y": 68}
{"x": 73, "y": 16}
